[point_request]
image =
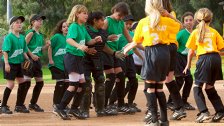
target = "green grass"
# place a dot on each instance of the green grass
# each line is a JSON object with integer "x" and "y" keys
{"x": 48, "y": 80}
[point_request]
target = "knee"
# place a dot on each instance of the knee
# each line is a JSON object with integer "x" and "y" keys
{"x": 150, "y": 87}
{"x": 120, "y": 77}
{"x": 110, "y": 77}
{"x": 100, "y": 79}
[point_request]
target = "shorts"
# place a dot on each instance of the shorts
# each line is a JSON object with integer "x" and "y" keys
{"x": 73, "y": 63}
{"x": 156, "y": 63}
{"x": 173, "y": 56}
{"x": 15, "y": 72}
{"x": 110, "y": 61}
{"x": 58, "y": 74}
{"x": 208, "y": 69}
{"x": 36, "y": 70}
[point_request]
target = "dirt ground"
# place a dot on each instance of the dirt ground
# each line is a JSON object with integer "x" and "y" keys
{"x": 49, "y": 119}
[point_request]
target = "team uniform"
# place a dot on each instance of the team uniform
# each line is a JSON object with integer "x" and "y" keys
{"x": 138, "y": 61}
{"x": 58, "y": 44}
{"x": 156, "y": 63}
{"x": 181, "y": 62}
{"x": 115, "y": 27}
{"x": 15, "y": 47}
{"x": 208, "y": 70}
{"x": 128, "y": 67}
{"x": 73, "y": 61}
{"x": 35, "y": 46}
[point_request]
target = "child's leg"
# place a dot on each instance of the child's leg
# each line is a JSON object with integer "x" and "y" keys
{"x": 6, "y": 94}
{"x": 187, "y": 87}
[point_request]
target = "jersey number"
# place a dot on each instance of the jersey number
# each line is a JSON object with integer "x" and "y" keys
{"x": 208, "y": 42}
{"x": 155, "y": 37}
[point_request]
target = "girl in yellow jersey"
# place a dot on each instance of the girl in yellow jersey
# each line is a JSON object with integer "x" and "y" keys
{"x": 154, "y": 33}
{"x": 207, "y": 42}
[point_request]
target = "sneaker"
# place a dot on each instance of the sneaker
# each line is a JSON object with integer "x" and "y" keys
{"x": 170, "y": 106}
{"x": 217, "y": 117}
{"x": 201, "y": 117}
{"x": 101, "y": 113}
{"x": 21, "y": 109}
{"x": 6, "y": 110}
{"x": 110, "y": 111}
{"x": 54, "y": 108}
{"x": 178, "y": 114}
{"x": 85, "y": 114}
{"x": 148, "y": 117}
{"x": 62, "y": 114}
{"x": 188, "y": 106}
{"x": 35, "y": 108}
{"x": 134, "y": 106}
{"x": 76, "y": 113}
{"x": 126, "y": 109}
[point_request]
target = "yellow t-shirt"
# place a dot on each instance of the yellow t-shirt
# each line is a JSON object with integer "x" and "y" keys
{"x": 164, "y": 33}
{"x": 213, "y": 41}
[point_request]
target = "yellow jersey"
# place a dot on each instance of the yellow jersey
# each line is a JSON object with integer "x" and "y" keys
{"x": 163, "y": 33}
{"x": 213, "y": 41}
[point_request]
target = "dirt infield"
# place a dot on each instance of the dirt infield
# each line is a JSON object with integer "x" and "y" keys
{"x": 49, "y": 119}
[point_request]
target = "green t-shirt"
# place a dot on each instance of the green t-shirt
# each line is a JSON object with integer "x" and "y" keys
{"x": 123, "y": 42}
{"x": 15, "y": 47}
{"x": 36, "y": 43}
{"x": 58, "y": 44}
{"x": 114, "y": 27}
{"x": 79, "y": 34}
{"x": 182, "y": 38}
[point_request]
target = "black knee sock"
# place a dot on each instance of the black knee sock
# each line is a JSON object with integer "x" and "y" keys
{"x": 36, "y": 92}
{"x": 175, "y": 94}
{"x": 66, "y": 99}
{"x": 78, "y": 96}
{"x": 99, "y": 95}
{"x": 120, "y": 88}
{"x": 163, "y": 107}
{"x": 187, "y": 87}
{"x": 28, "y": 83}
{"x": 215, "y": 99}
{"x": 179, "y": 82}
{"x": 6, "y": 95}
{"x": 20, "y": 94}
{"x": 200, "y": 99}
{"x": 86, "y": 100}
{"x": 151, "y": 97}
{"x": 58, "y": 92}
{"x": 109, "y": 84}
{"x": 133, "y": 90}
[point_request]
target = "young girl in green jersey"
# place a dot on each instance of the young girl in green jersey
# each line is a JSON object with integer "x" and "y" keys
{"x": 35, "y": 44}
{"x": 56, "y": 54}
{"x": 14, "y": 50}
{"x": 76, "y": 39}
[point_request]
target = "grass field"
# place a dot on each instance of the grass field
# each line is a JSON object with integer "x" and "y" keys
{"x": 48, "y": 80}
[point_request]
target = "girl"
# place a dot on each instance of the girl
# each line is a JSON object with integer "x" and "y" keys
{"x": 35, "y": 44}
{"x": 187, "y": 80}
{"x": 114, "y": 24}
{"x": 14, "y": 50}
{"x": 56, "y": 54}
{"x": 207, "y": 42}
{"x": 151, "y": 32}
{"x": 93, "y": 64}
{"x": 76, "y": 39}
{"x": 179, "y": 111}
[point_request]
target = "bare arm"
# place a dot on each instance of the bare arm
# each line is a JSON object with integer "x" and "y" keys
{"x": 6, "y": 61}
{"x": 105, "y": 26}
{"x": 75, "y": 44}
{"x": 129, "y": 46}
{"x": 29, "y": 37}
{"x": 26, "y": 56}
{"x": 189, "y": 59}
{"x": 127, "y": 35}
{"x": 50, "y": 55}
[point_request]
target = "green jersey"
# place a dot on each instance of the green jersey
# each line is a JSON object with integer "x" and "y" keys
{"x": 115, "y": 27}
{"x": 79, "y": 34}
{"x": 123, "y": 42}
{"x": 15, "y": 47}
{"x": 36, "y": 43}
{"x": 182, "y": 38}
{"x": 58, "y": 44}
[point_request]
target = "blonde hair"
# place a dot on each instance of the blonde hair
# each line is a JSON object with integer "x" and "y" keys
{"x": 202, "y": 16}
{"x": 76, "y": 10}
{"x": 152, "y": 9}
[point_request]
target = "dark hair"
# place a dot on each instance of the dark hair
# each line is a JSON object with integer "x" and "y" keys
{"x": 167, "y": 5}
{"x": 186, "y": 14}
{"x": 121, "y": 7}
{"x": 94, "y": 15}
{"x": 58, "y": 27}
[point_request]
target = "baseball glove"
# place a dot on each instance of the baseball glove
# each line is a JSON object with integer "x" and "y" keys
{"x": 27, "y": 65}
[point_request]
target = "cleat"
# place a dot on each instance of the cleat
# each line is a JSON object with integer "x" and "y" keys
{"x": 188, "y": 106}
{"x": 126, "y": 109}
{"x": 35, "y": 107}
{"x": 201, "y": 117}
{"x": 21, "y": 109}
{"x": 6, "y": 110}
{"x": 217, "y": 117}
{"x": 178, "y": 114}
{"x": 170, "y": 106}
{"x": 76, "y": 113}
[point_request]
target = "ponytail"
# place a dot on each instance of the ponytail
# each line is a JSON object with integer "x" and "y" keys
{"x": 201, "y": 31}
